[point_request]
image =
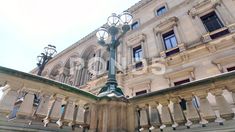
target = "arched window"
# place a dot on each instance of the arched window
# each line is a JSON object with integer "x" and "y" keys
{"x": 161, "y": 11}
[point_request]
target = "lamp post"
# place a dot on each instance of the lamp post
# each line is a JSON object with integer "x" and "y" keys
{"x": 116, "y": 32}
{"x": 47, "y": 55}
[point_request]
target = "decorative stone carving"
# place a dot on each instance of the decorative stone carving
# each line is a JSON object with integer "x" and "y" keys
{"x": 166, "y": 24}
{"x": 202, "y": 6}
{"x": 231, "y": 28}
{"x": 135, "y": 39}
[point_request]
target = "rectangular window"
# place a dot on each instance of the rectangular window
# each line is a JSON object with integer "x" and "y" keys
{"x": 170, "y": 40}
{"x": 211, "y": 22}
{"x": 161, "y": 11}
{"x": 137, "y": 53}
{"x": 135, "y": 25}
{"x": 181, "y": 82}
{"x": 141, "y": 92}
{"x": 231, "y": 69}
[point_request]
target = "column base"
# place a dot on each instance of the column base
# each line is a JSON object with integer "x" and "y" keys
{"x": 110, "y": 91}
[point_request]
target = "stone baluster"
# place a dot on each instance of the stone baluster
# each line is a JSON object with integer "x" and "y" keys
{"x": 165, "y": 115}
{"x": 177, "y": 113}
{"x": 43, "y": 105}
{"x": 80, "y": 113}
{"x": 222, "y": 108}
{"x": 69, "y": 111}
{"x": 87, "y": 115}
{"x": 233, "y": 107}
{"x": 9, "y": 97}
{"x": 26, "y": 108}
{"x": 144, "y": 118}
{"x": 205, "y": 110}
{"x": 67, "y": 114}
{"x": 190, "y": 113}
{"x": 155, "y": 120}
{"x": 54, "y": 109}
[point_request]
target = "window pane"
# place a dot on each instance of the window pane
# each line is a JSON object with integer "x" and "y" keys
{"x": 170, "y": 40}
{"x": 137, "y": 53}
{"x": 173, "y": 42}
{"x": 161, "y": 11}
{"x": 168, "y": 44}
{"x": 211, "y": 22}
{"x": 135, "y": 25}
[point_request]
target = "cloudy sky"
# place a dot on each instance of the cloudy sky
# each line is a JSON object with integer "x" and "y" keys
{"x": 26, "y": 26}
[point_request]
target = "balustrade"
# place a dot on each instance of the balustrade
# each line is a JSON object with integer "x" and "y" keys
{"x": 39, "y": 101}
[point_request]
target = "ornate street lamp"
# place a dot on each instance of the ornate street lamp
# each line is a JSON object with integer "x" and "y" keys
{"x": 115, "y": 32}
{"x": 49, "y": 51}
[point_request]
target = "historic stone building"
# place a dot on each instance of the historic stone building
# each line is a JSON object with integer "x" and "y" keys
{"x": 181, "y": 53}
{"x": 186, "y": 40}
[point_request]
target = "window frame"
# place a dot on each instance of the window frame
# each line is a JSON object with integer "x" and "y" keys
{"x": 137, "y": 22}
{"x": 219, "y": 20}
{"x": 139, "y": 53}
{"x": 170, "y": 33}
{"x": 138, "y": 93}
{"x": 161, "y": 10}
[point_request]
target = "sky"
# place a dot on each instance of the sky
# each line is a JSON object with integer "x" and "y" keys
{"x": 27, "y": 26}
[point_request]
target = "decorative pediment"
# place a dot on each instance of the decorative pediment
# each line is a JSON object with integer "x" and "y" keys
{"x": 224, "y": 60}
{"x": 203, "y": 6}
{"x": 166, "y": 24}
{"x": 135, "y": 39}
{"x": 140, "y": 85}
{"x": 180, "y": 73}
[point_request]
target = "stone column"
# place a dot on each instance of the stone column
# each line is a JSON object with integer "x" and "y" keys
{"x": 111, "y": 113}
{"x": 166, "y": 116}
{"x": 131, "y": 118}
{"x": 222, "y": 107}
{"x": 205, "y": 109}
{"x": 26, "y": 108}
{"x": 178, "y": 115}
{"x": 8, "y": 99}
{"x": 93, "y": 116}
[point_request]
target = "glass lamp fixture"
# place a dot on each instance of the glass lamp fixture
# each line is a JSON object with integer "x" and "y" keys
{"x": 102, "y": 34}
{"x": 126, "y": 18}
{"x": 50, "y": 50}
{"x": 39, "y": 59}
{"x": 113, "y": 20}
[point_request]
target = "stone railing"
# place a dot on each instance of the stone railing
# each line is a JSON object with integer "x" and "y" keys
{"x": 39, "y": 101}
{"x": 200, "y": 102}
{"x": 31, "y": 102}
